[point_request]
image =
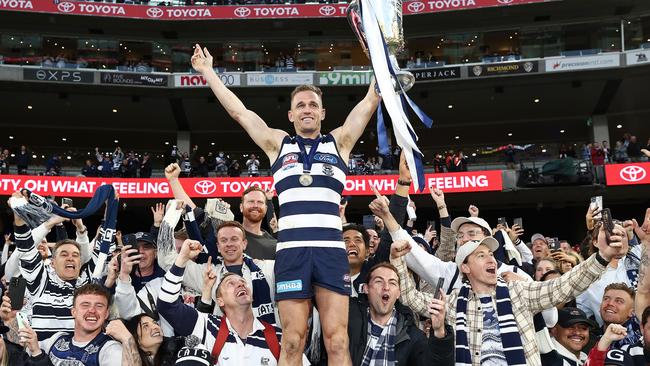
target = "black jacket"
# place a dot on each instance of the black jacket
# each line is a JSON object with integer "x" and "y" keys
{"x": 412, "y": 347}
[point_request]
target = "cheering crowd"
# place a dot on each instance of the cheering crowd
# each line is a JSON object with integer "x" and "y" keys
{"x": 304, "y": 286}
{"x": 462, "y": 298}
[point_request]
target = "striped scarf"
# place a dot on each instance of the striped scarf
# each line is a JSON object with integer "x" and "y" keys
{"x": 383, "y": 353}
{"x": 510, "y": 338}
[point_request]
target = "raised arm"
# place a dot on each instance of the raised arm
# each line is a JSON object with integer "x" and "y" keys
{"x": 642, "y": 298}
{"x": 348, "y": 134}
{"x": 268, "y": 139}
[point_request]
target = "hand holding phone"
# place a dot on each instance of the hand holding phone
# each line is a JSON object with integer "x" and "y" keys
{"x": 608, "y": 224}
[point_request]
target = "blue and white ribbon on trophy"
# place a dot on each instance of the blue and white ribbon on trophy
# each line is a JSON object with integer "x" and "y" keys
{"x": 384, "y": 65}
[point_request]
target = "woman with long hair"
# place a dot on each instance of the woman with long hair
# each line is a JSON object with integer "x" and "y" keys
{"x": 155, "y": 350}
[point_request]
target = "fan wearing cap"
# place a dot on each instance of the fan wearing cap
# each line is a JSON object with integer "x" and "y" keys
{"x": 493, "y": 319}
{"x": 140, "y": 266}
{"x": 238, "y": 337}
{"x": 571, "y": 335}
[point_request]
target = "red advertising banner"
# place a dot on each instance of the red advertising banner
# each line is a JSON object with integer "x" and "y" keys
{"x": 489, "y": 180}
{"x": 235, "y": 12}
{"x": 626, "y": 174}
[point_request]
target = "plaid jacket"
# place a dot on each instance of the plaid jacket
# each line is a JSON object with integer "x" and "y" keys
{"x": 528, "y": 298}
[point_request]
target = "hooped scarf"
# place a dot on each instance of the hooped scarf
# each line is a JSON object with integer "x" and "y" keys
{"x": 510, "y": 337}
{"x": 383, "y": 353}
{"x": 37, "y": 209}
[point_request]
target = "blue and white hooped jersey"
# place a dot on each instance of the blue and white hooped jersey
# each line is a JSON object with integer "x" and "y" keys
{"x": 309, "y": 216}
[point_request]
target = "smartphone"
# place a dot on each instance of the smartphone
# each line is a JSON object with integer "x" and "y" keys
{"x": 554, "y": 244}
{"x": 502, "y": 221}
{"x": 369, "y": 221}
{"x": 431, "y": 224}
{"x": 436, "y": 290}
{"x": 518, "y": 221}
{"x": 21, "y": 319}
{"x": 129, "y": 239}
{"x": 345, "y": 199}
{"x": 410, "y": 212}
{"x": 597, "y": 204}
{"x": 17, "y": 292}
{"x": 608, "y": 222}
{"x": 67, "y": 201}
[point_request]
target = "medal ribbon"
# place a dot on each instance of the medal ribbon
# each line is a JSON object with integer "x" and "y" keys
{"x": 307, "y": 159}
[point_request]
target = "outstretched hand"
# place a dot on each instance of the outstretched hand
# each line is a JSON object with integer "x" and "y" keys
{"x": 201, "y": 59}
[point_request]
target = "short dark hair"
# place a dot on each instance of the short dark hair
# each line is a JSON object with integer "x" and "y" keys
{"x": 92, "y": 289}
{"x": 361, "y": 229}
{"x": 620, "y": 286}
{"x": 306, "y": 87}
{"x": 63, "y": 242}
{"x": 231, "y": 224}
{"x": 382, "y": 265}
{"x": 547, "y": 274}
{"x": 253, "y": 189}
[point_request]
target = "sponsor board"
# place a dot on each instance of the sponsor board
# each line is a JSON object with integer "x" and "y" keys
{"x": 123, "y": 78}
{"x": 489, "y": 180}
{"x": 637, "y": 57}
{"x": 59, "y": 75}
{"x": 583, "y": 62}
{"x": 236, "y": 12}
{"x": 278, "y": 78}
{"x": 503, "y": 68}
{"x": 627, "y": 174}
{"x": 345, "y": 78}
{"x": 437, "y": 73}
{"x": 198, "y": 81}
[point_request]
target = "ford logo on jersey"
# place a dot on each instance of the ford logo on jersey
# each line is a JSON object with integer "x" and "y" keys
{"x": 325, "y": 158}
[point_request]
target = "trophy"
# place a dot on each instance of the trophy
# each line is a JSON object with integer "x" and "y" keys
{"x": 390, "y": 22}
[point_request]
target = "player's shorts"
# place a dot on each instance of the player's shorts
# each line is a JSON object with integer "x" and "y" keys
{"x": 297, "y": 270}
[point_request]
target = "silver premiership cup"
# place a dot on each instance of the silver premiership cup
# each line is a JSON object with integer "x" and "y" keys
{"x": 390, "y": 22}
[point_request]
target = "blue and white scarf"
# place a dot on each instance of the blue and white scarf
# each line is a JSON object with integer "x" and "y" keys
{"x": 510, "y": 337}
{"x": 38, "y": 210}
{"x": 383, "y": 354}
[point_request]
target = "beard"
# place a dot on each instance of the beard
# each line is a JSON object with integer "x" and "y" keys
{"x": 254, "y": 215}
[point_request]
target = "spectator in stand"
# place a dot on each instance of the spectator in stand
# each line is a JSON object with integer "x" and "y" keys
{"x": 221, "y": 164}
{"x": 439, "y": 164}
{"x": 607, "y": 152}
{"x": 634, "y": 150}
{"x": 620, "y": 152}
{"x": 234, "y": 170}
{"x": 253, "y": 166}
{"x": 118, "y": 157}
{"x": 4, "y": 162}
{"x": 132, "y": 164}
{"x": 586, "y": 152}
{"x": 617, "y": 307}
{"x": 105, "y": 166}
{"x": 154, "y": 349}
{"x": 53, "y": 165}
{"x": 598, "y": 161}
{"x": 89, "y": 169}
{"x": 202, "y": 169}
{"x": 289, "y": 63}
{"x": 186, "y": 165}
{"x": 22, "y": 160}
{"x": 564, "y": 151}
{"x": 48, "y": 61}
{"x": 145, "y": 166}
{"x": 60, "y": 61}
{"x": 509, "y": 154}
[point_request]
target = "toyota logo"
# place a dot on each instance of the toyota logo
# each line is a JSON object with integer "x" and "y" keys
{"x": 66, "y": 7}
{"x": 632, "y": 173}
{"x": 415, "y": 6}
{"x": 242, "y": 12}
{"x": 327, "y": 10}
{"x": 154, "y": 12}
{"x": 505, "y": 1}
{"x": 205, "y": 187}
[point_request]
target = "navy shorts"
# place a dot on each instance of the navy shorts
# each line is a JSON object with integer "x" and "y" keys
{"x": 297, "y": 270}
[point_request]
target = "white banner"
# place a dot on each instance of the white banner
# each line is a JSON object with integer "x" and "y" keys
{"x": 276, "y": 78}
{"x": 198, "y": 81}
{"x": 637, "y": 57}
{"x": 583, "y": 62}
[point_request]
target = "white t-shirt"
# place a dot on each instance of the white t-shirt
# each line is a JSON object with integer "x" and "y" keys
{"x": 110, "y": 354}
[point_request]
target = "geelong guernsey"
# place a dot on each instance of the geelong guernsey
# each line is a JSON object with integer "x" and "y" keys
{"x": 309, "y": 215}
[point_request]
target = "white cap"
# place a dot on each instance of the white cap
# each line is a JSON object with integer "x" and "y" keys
{"x": 455, "y": 225}
{"x": 468, "y": 248}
